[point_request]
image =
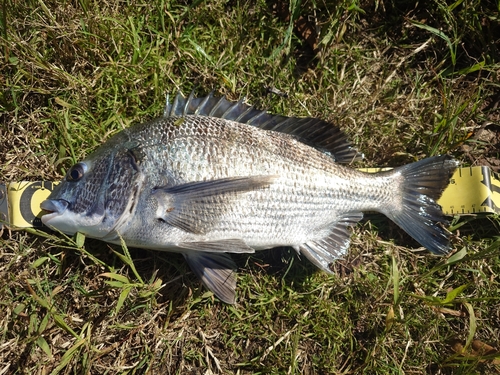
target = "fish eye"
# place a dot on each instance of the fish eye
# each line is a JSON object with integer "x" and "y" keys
{"x": 76, "y": 172}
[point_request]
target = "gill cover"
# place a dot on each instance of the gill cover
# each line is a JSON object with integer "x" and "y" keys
{"x": 94, "y": 195}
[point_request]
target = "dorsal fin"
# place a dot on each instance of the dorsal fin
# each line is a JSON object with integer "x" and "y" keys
{"x": 311, "y": 131}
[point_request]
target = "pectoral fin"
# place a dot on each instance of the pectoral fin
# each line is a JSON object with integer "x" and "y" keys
{"x": 196, "y": 206}
{"x": 217, "y": 271}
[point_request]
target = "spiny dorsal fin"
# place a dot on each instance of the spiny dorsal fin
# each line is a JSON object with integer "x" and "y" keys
{"x": 314, "y": 132}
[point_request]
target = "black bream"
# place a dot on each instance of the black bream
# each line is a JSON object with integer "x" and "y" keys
{"x": 211, "y": 177}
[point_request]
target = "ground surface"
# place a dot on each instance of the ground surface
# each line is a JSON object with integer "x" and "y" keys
{"x": 405, "y": 81}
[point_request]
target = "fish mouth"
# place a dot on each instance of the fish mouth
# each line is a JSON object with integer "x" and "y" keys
{"x": 53, "y": 207}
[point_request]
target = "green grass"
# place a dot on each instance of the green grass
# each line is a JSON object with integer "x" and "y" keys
{"x": 405, "y": 81}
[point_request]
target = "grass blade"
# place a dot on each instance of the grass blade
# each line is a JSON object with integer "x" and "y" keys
{"x": 441, "y": 35}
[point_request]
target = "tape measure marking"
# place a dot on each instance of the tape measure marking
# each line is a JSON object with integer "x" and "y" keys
{"x": 492, "y": 181}
{"x": 24, "y": 200}
{"x": 471, "y": 190}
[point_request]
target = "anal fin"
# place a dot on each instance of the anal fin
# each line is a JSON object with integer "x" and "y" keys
{"x": 217, "y": 271}
{"x": 327, "y": 250}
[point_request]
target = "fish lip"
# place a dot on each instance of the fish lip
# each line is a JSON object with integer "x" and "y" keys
{"x": 53, "y": 207}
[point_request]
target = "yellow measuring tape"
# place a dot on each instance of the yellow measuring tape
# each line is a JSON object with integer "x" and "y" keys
{"x": 472, "y": 190}
{"x": 20, "y": 203}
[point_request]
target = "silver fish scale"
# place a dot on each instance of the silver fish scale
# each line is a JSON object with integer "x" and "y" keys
{"x": 213, "y": 145}
{"x": 304, "y": 202}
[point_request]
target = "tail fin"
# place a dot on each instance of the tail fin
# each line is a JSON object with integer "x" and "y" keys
{"x": 422, "y": 184}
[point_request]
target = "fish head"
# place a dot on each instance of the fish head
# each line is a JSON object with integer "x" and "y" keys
{"x": 96, "y": 194}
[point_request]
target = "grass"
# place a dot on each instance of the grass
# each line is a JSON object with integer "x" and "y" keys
{"x": 405, "y": 81}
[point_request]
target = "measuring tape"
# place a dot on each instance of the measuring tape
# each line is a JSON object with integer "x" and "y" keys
{"x": 20, "y": 203}
{"x": 472, "y": 190}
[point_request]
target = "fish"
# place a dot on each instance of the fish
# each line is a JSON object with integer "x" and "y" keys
{"x": 210, "y": 177}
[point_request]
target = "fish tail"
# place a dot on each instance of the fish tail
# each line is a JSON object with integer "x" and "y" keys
{"x": 421, "y": 185}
